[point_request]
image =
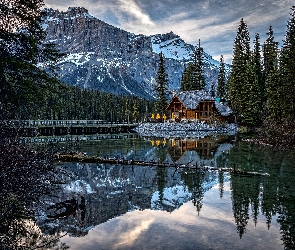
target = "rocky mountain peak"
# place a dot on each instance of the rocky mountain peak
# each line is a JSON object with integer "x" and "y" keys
{"x": 164, "y": 37}
{"x": 101, "y": 56}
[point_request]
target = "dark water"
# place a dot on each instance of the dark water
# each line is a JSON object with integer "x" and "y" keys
{"x": 101, "y": 206}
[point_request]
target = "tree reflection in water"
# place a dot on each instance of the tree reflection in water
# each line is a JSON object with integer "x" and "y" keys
{"x": 272, "y": 195}
{"x": 29, "y": 184}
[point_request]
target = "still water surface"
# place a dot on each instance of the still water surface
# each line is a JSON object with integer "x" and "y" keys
{"x": 102, "y": 206}
{"x": 150, "y": 208}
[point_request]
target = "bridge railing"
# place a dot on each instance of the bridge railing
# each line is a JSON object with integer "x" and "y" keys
{"x": 66, "y": 123}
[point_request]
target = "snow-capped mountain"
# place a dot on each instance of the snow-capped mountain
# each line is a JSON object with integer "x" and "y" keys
{"x": 101, "y": 56}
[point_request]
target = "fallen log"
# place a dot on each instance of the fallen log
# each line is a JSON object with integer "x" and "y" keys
{"x": 92, "y": 159}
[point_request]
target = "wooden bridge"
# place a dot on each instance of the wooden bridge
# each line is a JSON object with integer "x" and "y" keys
{"x": 69, "y": 127}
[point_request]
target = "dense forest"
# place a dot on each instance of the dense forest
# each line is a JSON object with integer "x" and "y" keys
{"x": 65, "y": 102}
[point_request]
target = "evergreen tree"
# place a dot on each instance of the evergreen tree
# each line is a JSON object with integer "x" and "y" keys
{"x": 270, "y": 48}
{"x": 238, "y": 77}
{"x": 193, "y": 75}
{"x": 257, "y": 69}
{"x": 186, "y": 78}
{"x": 21, "y": 49}
{"x": 212, "y": 89}
{"x": 271, "y": 76}
{"x": 197, "y": 74}
{"x": 287, "y": 70}
{"x": 251, "y": 114}
{"x": 221, "y": 83}
{"x": 161, "y": 86}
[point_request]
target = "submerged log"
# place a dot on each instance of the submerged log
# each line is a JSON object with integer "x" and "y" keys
{"x": 92, "y": 159}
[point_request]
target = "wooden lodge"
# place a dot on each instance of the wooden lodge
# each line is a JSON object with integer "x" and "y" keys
{"x": 197, "y": 105}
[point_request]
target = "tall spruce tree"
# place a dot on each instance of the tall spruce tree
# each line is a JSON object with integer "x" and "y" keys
{"x": 221, "y": 82}
{"x": 252, "y": 110}
{"x": 257, "y": 68}
{"x": 238, "y": 77}
{"x": 161, "y": 87}
{"x": 198, "y": 78}
{"x": 270, "y": 48}
{"x": 193, "y": 76}
{"x": 287, "y": 70}
{"x": 186, "y": 78}
{"x": 212, "y": 90}
{"x": 271, "y": 77}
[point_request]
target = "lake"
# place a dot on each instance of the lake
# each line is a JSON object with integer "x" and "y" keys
{"x": 248, "y": 203}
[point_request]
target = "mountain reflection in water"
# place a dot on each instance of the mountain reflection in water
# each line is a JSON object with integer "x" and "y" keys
{"x": 103, "y": 206}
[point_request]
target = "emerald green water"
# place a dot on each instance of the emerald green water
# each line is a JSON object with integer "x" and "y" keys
{"x": 135, "y": 207}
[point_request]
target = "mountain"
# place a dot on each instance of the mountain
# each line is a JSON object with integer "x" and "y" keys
{"x": 101, "y": 56}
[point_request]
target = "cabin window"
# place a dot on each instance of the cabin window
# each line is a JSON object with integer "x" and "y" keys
{"x": 206, "y": 113}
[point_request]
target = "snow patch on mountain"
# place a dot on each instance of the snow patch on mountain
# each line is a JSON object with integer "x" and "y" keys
{"x": 77, "y": 58}
{"x": 172, "y": 196}
{"x": 175, "y": 48}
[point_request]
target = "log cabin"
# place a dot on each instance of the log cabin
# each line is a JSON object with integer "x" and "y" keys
{"x": 197, "y": 105}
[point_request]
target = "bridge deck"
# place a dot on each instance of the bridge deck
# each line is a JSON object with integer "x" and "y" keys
{"x": 70, "y": 127}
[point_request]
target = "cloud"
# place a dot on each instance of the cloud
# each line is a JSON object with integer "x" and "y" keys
{"x": 131, "y": 8}
{"x": 129, "y": 237}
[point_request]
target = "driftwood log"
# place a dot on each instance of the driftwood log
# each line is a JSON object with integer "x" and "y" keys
{"x": 92, "y": 159}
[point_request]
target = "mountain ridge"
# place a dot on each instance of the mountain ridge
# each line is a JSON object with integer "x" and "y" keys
{"x": 102, "y": 56}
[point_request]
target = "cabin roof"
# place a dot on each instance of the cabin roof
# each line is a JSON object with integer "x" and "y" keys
{"x": 191, "y": 100}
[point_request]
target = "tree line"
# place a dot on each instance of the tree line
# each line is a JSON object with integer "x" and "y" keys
{"x": 65, "y": 102}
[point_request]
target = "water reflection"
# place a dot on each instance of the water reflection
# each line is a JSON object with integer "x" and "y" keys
{"x": 91, "y": 196}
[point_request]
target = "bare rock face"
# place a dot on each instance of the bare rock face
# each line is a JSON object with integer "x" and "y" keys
{"x": 101, "y": 56}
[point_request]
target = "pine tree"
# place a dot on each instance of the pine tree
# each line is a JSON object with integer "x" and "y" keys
{"x": 221, "y": 82}
{"x": 198, "y": 78}
{"x": 257, "y": 64}
{"x": 161, "y": 86}
{"x": 270, "y": 48}
{"x": 238, "y": 77}
{"x": 193, "y": 75}
{"x": 212, "y": 90}
{"x": 252, "y": 112}
{"x": 186, "y": 78}
{"x": 287, "y": 70}
{"x": 271, "y": 77}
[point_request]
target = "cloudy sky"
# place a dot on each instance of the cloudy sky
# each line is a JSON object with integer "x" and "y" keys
{"x": 214, "y": 22}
